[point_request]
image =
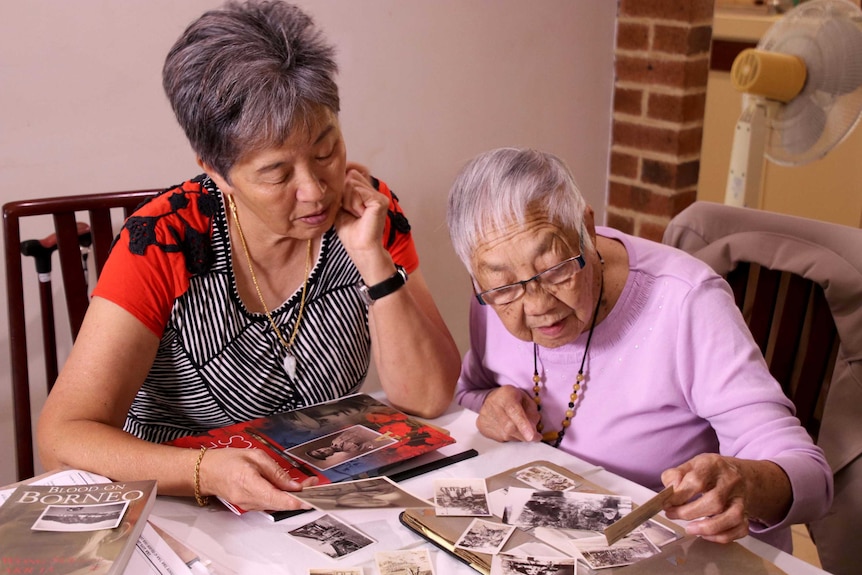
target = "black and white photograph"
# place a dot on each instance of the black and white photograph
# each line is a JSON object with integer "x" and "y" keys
{"x": 626, "y": 551}
{"x": 658, "y": 534}
{"x": 545, "y": 479}
{"x": 331, "y": 537}
{"x": 504, "y": 564}
{"x": 465, "y": 497}
{"x": 336, "y": 571}
{"x": 485, "y": 536}
{"x": 405, "y": 562}
{"x": 79, "y": 518}
{"x": 339, "y": 447}
{"x": 564, "y": 509}
{"x": 375, "y": 492}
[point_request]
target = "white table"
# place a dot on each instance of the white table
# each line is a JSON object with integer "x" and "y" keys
{"x": 253, "y": 543}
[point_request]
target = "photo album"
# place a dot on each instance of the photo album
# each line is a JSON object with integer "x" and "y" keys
{"x": 348, "y": 438}
{"x": 542, "y": 519}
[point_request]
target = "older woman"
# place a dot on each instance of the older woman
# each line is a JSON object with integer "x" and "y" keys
{"x": 624, "y": 352}
{"x": 261, "y": 286}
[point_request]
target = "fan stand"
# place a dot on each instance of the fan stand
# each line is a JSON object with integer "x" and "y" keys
{"x": 745, "y": 177}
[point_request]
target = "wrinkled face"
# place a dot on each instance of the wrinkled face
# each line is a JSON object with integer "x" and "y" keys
{"x": 293, "y": 190}
{"x": 548, "y": 315}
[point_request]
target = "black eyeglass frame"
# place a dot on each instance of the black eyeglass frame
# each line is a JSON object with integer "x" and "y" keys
{"x": 523, "y": 283}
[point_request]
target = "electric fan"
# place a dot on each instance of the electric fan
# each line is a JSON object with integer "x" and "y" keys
{"x": 802, "y": 93}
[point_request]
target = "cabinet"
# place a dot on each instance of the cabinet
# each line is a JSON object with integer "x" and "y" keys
{"x": 829, "y": 189}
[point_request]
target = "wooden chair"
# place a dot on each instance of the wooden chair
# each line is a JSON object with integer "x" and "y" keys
{"x": 69, "y": 238}
{"x": 798, "y": 283}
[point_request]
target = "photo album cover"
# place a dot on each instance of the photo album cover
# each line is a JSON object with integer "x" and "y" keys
{"x": 348, "y": 438}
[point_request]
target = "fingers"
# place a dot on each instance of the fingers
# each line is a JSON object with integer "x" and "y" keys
{"x": 709, "y": 491}
{"x": 508, "y": 415}
{"x": 252, "y": 480}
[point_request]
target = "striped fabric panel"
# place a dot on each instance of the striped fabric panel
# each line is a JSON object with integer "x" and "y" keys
{"x": 218, "y": 364}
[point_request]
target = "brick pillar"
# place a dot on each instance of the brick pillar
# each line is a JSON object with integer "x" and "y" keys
{"x": 662, "y": 63}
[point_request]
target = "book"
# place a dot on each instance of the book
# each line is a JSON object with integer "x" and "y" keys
{"x": 74, "y": 528}
{"x": 352, "y": 437}
{"x": 671, "y": 550}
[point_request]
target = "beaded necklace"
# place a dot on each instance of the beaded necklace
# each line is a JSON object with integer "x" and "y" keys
{"x": 554, "y": 438}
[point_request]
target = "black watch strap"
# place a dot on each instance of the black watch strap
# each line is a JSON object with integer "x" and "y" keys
{"x": 390, "y": 285}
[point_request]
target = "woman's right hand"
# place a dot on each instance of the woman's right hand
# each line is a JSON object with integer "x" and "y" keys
{"x": 509, "y": 414}
{"x": 250, "y": 479}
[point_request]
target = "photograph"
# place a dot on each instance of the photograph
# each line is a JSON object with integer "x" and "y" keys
{"x": 331, "y": 537}
{"x": 337, "y": 448}
{"x": 336, "y": 571}
{"x": 80, "y": 517}
{"x": 626, "y": 551}
{"x": 485, "y": 537}
{"x": 545, "y": 479}
{"x": 504, "y": 564}
{"x": 657, "y": 533}
{"x": 375, "y": 492}
{"x": 564, "y": 509}
{"x": 406, "y": 562}
{"x": 461, "y": 497}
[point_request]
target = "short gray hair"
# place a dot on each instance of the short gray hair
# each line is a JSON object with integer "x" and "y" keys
{"x": 500, "y": 187}
{"x": 240, "y": 77}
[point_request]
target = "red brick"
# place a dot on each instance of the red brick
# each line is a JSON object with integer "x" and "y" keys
{"x": 679, "y": 142}
{"x": 670, "y": 175}
{"x": 682, "y": 109}
{"x": 624, "y": 165}
{"x": 638, "y": 199}
{"x": 631, "y": 36}
{"x": 677, "y": 10}
{"x": 682, "y": 40}
{"x": 675, "y": 73}
{"x": 651, "y": 230}
{"x": 622, "y": 223}
{"x": 627, "y": 101}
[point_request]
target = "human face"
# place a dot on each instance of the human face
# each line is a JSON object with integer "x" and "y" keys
{"x": 293, "y": 190}
{"x": 519, "y": 252}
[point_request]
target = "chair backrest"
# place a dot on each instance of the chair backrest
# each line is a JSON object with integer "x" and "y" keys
{"x": 68, "y": 239}
{"x": 798, "y": 283}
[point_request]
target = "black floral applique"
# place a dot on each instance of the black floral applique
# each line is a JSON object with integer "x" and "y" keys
{"x": 195, "y": 246}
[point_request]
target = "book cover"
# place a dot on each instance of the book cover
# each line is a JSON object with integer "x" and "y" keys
{"x": 69, "y": 529}
{"x": 348, "y": 438}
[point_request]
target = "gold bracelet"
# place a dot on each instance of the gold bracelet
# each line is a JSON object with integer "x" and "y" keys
{"x": 202, "y": 500}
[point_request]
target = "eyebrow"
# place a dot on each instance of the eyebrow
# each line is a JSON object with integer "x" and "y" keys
{"x": 541, "y": 248}
{"x": 275, "y": 165}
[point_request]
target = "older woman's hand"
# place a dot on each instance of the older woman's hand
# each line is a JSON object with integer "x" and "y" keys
{"x": 249, "y": 479}
{"x": 720, "y": 494}
{"x": 509, "y": 414}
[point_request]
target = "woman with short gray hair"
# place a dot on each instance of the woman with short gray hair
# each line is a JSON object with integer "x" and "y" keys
{"x": 629, "y": 354}
{"x": 263, "y": 285}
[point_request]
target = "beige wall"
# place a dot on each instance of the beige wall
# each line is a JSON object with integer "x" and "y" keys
{"x": 425, "y": 85}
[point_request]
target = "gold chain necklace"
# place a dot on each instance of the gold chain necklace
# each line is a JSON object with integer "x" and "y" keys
{"x": 554, "y": 438}
{"x": 289, "y": 359}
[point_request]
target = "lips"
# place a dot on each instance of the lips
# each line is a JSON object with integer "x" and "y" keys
{"x": 315, "y": 219}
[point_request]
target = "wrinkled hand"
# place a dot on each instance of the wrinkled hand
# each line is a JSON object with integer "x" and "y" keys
{"x": 250, "y": 479}
{"x": 710, "y": 491}
{"x": 509, "y": 414}
{"x": 360, "y": 221}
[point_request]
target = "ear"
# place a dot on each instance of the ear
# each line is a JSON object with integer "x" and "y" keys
{"x": 590, "y": 223}
{"x": 222, "y": 183}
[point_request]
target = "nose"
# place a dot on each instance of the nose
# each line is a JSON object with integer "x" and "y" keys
{"x": 536, "y": 299}
{"x": 309, "y": 188}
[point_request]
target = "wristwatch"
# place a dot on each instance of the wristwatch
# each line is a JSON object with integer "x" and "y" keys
{"x": 393, "y": 283}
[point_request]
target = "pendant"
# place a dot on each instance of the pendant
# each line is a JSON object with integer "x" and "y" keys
{"x": 290, "y": 365}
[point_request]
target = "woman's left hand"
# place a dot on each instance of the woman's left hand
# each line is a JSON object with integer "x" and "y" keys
{"x": 719, "y": 494}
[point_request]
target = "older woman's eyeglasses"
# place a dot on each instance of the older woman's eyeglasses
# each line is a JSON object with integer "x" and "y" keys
{"x": 548, "y": 279}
